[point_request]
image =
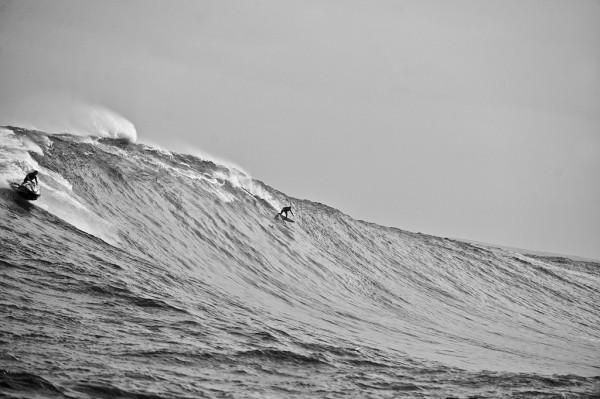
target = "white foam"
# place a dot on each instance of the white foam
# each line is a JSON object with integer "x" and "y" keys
{"x": 58, "y": 113}
{"x": 101, "y": 121}
{"x": 15, "y": 160}
{"x": 32, "y": 146}
{"x": 109, "y": 148}
{"x": 10, "y": 142}
{"x": 157, "y": 149}
{"x": 242, "y": 180}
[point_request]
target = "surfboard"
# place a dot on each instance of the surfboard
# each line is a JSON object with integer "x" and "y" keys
{"x": 278, "y": 216}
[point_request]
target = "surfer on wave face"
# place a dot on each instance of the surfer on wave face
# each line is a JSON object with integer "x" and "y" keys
{"x": 32, "y": 177}
{"x": 285, "y": 210}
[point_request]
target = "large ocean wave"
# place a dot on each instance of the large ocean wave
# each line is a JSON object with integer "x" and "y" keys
{"x": 145, "y": 273}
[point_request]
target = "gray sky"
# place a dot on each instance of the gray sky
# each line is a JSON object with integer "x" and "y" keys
{"x": 467, "y": 118}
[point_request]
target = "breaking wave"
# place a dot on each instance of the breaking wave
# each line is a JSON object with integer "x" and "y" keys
{"x": 145, "y": 273}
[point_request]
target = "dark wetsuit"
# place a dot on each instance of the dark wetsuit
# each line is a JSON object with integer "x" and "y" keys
{"x": 32, "y": 177}
{"x": 285, "y": 210}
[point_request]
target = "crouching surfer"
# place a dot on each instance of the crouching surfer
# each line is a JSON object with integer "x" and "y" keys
{"x": 285, "y": 210}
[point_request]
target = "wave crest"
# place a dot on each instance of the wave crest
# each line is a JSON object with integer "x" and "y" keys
{"x": 60, "y": 114}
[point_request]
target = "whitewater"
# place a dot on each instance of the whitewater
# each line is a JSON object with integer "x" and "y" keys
{"x": 142, "y": 273}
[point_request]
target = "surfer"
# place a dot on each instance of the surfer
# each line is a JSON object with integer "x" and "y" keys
{"x": 285, "y": 210}
{"x": 32, "y": 177}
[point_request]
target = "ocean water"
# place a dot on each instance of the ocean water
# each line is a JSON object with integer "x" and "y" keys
{"x": 142, "y": 273}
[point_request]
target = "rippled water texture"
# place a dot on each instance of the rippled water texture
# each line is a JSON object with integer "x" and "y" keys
{"x": 145, "y": 274}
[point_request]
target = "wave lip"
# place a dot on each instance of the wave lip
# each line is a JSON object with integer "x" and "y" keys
{"x": 59, "y": 113}
{"x": 102, "y": 122}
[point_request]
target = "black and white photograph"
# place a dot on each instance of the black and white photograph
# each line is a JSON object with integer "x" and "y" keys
{"x": 299, "y": 199}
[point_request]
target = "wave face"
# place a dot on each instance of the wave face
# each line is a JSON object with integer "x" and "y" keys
{"x": 143, "y": 273}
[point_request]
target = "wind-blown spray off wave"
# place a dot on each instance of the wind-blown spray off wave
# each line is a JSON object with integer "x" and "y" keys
{"x": 59, "y": 113}
{"x": 145, "y": 273}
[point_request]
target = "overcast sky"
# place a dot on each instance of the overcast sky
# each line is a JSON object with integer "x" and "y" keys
{"x": 468, "y": 118}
